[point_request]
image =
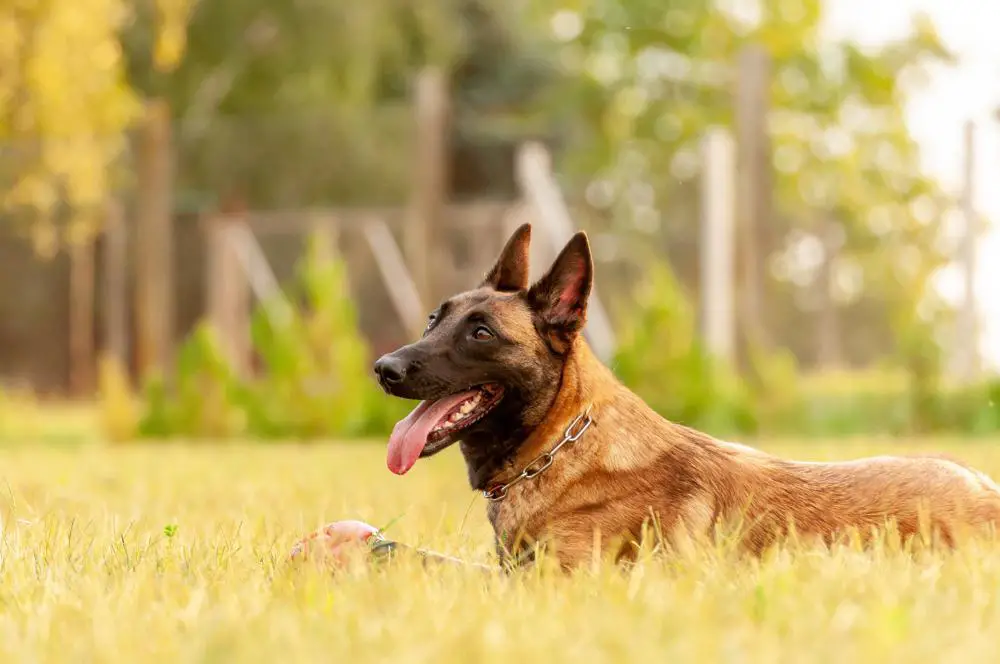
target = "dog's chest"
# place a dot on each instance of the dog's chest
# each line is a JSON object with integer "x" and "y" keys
{"x": 519, "y": 519}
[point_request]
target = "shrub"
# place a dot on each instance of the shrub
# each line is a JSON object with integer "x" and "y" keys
{"x": 118, "y": 408}
{"x": 661, "y": 358}
{"x": 314, "y": 380}
{"x": 199, "y": 400}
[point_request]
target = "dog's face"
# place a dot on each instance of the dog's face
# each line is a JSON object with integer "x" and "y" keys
{"x": 490, "y": 361}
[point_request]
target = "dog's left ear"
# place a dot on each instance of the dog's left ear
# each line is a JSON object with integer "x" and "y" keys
{"x": 511, "y": 270}
{"x": 559, "y": 298}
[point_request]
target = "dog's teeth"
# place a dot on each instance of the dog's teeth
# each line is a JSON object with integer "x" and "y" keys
{"x": 467, "y": 406}
{"x": 455, "y": 417}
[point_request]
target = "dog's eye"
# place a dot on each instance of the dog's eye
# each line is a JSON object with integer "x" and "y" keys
{"x": 430, "y": 321}
{"x": 482, "y": 333}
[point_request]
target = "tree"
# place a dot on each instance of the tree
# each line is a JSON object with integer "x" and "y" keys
{"x": 646, "y": 78}
{"x": 65, "y": 106}
{"x": 294, "y": 106}
{"x": 295, "y": 103}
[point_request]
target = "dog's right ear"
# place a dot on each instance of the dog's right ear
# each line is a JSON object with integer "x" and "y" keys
{"x": 559, "y": 297}
{"x": 511, "y": 270}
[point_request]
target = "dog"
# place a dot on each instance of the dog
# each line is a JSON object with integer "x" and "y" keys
{"x": 570, "y": 459}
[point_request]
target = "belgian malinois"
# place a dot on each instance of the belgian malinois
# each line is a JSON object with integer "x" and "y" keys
{"x": 568, "y": 457}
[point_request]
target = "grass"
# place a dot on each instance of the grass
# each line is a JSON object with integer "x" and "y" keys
{"x": 177, "y": 554}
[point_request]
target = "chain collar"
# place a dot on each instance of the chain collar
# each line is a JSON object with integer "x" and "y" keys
{"x": 498, "y": 492}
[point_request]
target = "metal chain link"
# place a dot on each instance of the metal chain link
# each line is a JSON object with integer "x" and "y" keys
{"x": 533, "y": 469}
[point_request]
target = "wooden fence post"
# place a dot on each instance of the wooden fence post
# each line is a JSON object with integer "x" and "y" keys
{"x": 539, "y": 186}
{"x": 228, "y": 296}
{"x": 430, "y": 176}
{"x": 753, "y": 193}
{"x": 114, "y": 286}
{"x": 154, "y": 296}
{"x": 967, "y": 339}
{"x": 718, "y": 230}
{"x": 81, "y": 317}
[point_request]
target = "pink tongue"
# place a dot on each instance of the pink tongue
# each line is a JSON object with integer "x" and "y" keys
{"x": 409, "y": 436}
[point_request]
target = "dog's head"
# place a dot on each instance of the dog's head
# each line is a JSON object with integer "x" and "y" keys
{"x": 490, "y": 361}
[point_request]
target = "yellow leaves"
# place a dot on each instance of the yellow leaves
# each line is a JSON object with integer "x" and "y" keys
{"x": 445, "y": 35}
{"x": 718, "y": 36}
{"x": 10, "y": 44}
{"x": 66, "y": 104}
{"x": 787, "y": 26}
{"x": 780, "y": 42}
{"x": 926, "y": 36}
{"x": 71, "y": 172}
{"x": 169, "y": 48}
{"x": 118, "y": 408}
{"x": 171, "y": 35}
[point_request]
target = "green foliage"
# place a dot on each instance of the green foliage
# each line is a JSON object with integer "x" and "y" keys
{"x": 200, "y": 403}
{"x": 970, "y": 410}
{"x": 626, "y": 87}
{"x": 314, "y": 380}
{"x": 314, "y": 360}
{"x": 301, "y": 107}
{"x": 661, "y": 358}
{"x": 295, "y": 105}
{"x": 644, "y": 80}
{"x": 881, "y": 407}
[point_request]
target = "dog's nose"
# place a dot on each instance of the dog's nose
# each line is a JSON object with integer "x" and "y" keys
{"x": 390, "y": 370}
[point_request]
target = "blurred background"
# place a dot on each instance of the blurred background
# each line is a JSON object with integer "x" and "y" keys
{"x": 216, "y": 214}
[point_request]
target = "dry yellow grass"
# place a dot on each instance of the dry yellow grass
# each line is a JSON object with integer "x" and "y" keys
{"x": 177, "y": 554}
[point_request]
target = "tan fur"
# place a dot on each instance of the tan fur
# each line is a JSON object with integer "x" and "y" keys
{"x": 632, "y": 468}
{"x": 632, "y": 464}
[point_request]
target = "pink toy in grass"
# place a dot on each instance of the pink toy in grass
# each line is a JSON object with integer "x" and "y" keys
{"x": 335, "y": 541}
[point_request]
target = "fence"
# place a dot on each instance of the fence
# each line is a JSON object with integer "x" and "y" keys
{"x": 199, "y": 230}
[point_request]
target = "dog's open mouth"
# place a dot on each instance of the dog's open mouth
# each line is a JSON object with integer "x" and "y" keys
{"x": 432, "y": 425}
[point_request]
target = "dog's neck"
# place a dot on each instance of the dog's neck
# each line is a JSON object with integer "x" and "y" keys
{"x": 586, "y": 382}
{"x": 492, "y": 457}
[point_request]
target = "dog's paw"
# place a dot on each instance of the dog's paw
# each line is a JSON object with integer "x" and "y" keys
{"x": 335, "y": 542}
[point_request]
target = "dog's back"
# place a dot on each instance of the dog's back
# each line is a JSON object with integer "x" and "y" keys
{"x": 633, "y": 465}
{"x": 926, "y": 495}
{"x": 504, "y": 370}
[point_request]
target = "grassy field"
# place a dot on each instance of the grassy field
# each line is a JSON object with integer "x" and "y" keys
{"x": 177, "y": 554}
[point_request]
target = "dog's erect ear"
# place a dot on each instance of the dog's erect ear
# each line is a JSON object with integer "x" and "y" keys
{"x": 511, "y": 270}
{"x": 559, "y": 298}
